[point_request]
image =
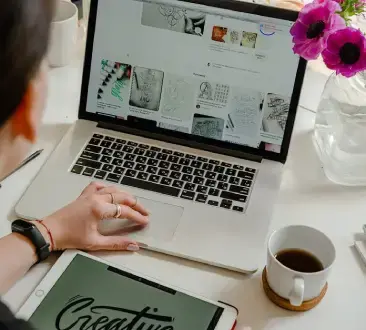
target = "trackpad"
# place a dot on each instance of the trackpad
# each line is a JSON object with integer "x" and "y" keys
{"x": 164, "y": 220}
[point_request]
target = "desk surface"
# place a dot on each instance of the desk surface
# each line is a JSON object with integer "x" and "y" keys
{"x": 306, "y": 197}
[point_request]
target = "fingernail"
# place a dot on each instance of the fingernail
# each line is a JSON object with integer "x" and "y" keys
{"x": 133, "y": 248}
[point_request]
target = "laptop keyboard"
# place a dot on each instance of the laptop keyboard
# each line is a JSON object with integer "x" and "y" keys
{"x": 166, "y": 171}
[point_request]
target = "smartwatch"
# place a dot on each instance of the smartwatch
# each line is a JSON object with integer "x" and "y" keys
{"x": 30, "y": 231}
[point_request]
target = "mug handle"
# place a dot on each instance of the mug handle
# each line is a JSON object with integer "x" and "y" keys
{"x": 297, "y": 292}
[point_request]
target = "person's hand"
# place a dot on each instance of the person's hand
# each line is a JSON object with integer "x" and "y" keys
{"x": 76, "y": 225}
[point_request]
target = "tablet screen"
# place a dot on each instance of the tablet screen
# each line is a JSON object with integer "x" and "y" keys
{"x": 91, "y": 295}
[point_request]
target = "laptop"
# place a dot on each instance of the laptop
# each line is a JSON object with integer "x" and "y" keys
{"x": 190, "y": 106}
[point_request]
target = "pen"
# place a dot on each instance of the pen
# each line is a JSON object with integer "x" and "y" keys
{"x": 23, "y": 163}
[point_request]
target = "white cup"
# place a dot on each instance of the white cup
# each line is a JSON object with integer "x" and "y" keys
{"x": 292, "y": 285}
{"x": 64, "y": 34}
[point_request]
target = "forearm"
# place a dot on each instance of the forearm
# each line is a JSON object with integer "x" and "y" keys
{"x": 17, "y": 256}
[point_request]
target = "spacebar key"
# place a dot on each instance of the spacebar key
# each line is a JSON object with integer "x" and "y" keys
{"x": 150, "y": 186}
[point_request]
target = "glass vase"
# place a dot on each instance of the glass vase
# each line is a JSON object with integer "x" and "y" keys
{"x": 340, "y": 129}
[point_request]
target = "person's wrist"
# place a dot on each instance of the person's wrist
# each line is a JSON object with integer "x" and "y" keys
{"x": 45, "y": 234}
{"x": 55, "y": 230}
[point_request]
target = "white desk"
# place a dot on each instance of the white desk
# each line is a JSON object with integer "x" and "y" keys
{"x": 306, "y": 197}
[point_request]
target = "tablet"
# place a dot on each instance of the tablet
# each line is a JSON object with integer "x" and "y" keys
{"x": 82, "y": 292}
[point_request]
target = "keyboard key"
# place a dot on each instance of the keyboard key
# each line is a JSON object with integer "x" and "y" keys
{"x": 190, "y": 157}
{"x": 94, "y": 141}
{"x": 214, "y": 162}
{"x": 246, "y": 175}
{"x": 238, "y": 208}
{"x": 128, "y": 164}
{"x": 187, "y": 177}
{"x": 234, "y": 180}
{"x": 130, "y": 157}
{"x": 153, "y": 162}
{"x": 238, "y": 167}
{"x": 98, "y": 136}
{"x": 198, "y": 172}
{"x": 107, "y": 167}
{"x": 142, "y": 176}
{"x": 196, "y": 164}
{"x": 219, "y": 169}
{"x": 152, "y": 170}
{"x": 107, "y": 152}
{"x": 173, "y": 159}
{"x": 171, "y": 191}
{"x": 246, "y": 183}
{"x": 225, "y": 164}
{"x": 214, "y": 192}
{"x": 190, "y": 186}
{"x": 140, "y": 167}
{"x": 117, "y": 146}
{"x": 131, "y": 173}
{"x": 155, "y": 149}
{"x": 141, "y": 159}
{"x": 139, "y": 152}
{"x": 175, "y": 175}
{"x": 202, "y": 159}
{"x": 90, "y": 155}
{"x": 132, "y": 144}
{"x": 108, "y": 138}
{"x": 188, "y": 195}
{"x": 162, "y": 156}
{"x": 178, "y": 184}
{"x": 127, "y": 149}
{"x": 105, "y": 144}
{"x": 88, "y": 171}
{"x": 121, "y": 141}
{"x": 113, "y": 177}
{"x": 119, "y": 170}
{"x": 167, "y": 151}
{"x": 222, "y": 177}
{"x": 163, "y": 172}
{"x": 89, "y": 163}
{"x": 210, "y": 183}
{"x": 184, "y": 161}
{"x": 150, "y": 154}
{"x": 213, "y": 203}
{"x": 224, "y": 204}
{"x": 106, "y": 159}
{"x": 144, "y": 146}
{"x": 176, "y": 167}
{"x": 234, "y": 197}
{"x": 179, "y": 154}
{"x": 198, "y": 180}
{"x": 77, "y": 169}
{"x": 166, "y": 181}
{"x": 187, "y": 170}
{"x": 250, "y": 170}
{"x": 164, "y": 165}
{"x": 230, "y": 172}
{"x": 93, "y": 148}
{"x": 239, "y": 190}
{"x": 207, "y": 167}
{"x": 222, "y": 186}
{"x": 118, "y": 154}
{"x": 100, "y": 175}
{"x": 210, "y": 175}
{"x": 202, "y": 189}
{"x": 154, "y": 178}
{"x": 117, "y": 162}
{"x": 201, "y": 198}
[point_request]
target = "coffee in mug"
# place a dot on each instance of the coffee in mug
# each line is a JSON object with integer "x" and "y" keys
{"x": 299, "y": 260}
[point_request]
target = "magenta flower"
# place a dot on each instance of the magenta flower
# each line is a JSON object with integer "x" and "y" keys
{"x": 346, "y": 52}
{"x": 311, "y": 30}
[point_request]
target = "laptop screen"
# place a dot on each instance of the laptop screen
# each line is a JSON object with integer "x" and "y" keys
{"x": 205, "y": 71}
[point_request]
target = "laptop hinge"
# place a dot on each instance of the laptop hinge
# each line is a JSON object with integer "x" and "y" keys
{"x": 180, "y": 141}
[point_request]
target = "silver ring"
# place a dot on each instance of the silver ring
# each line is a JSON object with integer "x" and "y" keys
{"x": 136, "y": 201}
{"x": 112, "y": 202}
{"x": 118, "y": 211}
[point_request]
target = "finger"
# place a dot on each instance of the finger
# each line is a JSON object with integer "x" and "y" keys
{"x": 110, "y": 211}
{"x": 93, "y": 187}
{"x": 116, "y": 243}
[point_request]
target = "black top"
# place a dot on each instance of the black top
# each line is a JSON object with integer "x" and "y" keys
{"x": 9, "y": 322}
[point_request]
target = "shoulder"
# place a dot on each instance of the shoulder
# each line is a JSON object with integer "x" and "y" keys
{"x": 9, "y": 322}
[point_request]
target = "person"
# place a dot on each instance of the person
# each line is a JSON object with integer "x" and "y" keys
{"x": 24, "y": 35}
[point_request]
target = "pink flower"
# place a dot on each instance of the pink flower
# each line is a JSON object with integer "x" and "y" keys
{"x": 346, "y": 52}
{"x": 311, "y": 30}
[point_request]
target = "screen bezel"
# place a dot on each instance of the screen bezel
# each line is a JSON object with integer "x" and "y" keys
{"x": 226, "y": 321}
{"x": 187, "y": 139}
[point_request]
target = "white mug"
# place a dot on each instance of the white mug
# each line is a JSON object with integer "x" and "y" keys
{"x": 64, "y": 34}
{"x": 292, "y": 285}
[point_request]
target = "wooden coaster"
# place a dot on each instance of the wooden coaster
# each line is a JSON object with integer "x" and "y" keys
{"x": 284, "y": 303}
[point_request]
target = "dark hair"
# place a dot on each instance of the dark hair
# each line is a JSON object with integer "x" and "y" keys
{"x": 24, "y": 34}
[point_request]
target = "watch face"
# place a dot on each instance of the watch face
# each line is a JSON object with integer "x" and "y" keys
{"x": 20, "y": 225}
